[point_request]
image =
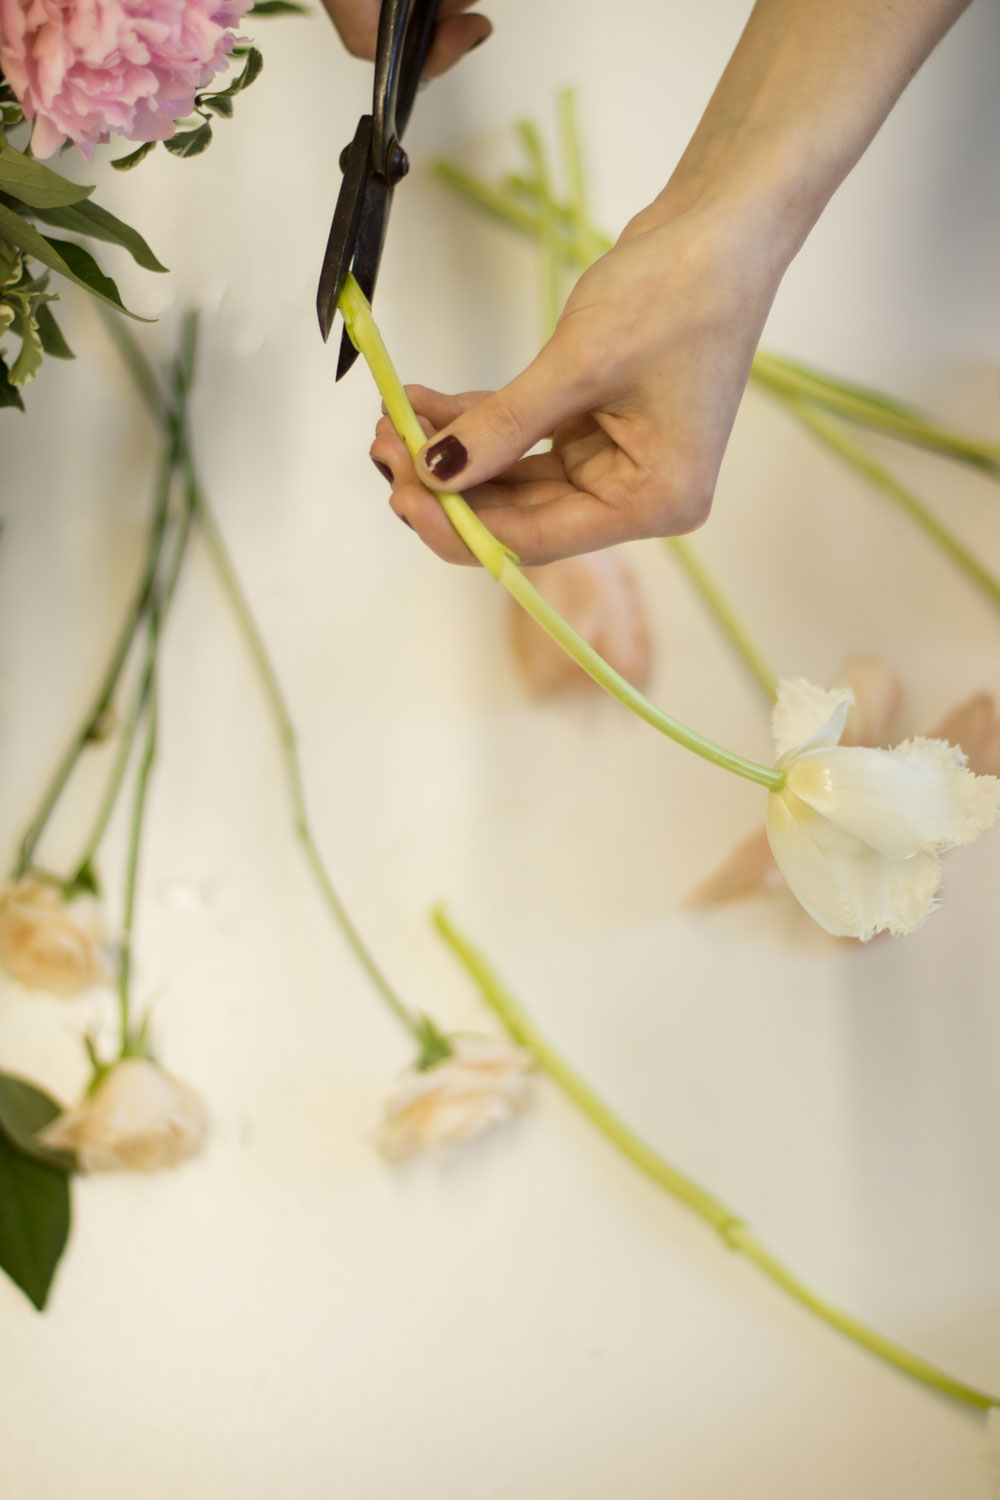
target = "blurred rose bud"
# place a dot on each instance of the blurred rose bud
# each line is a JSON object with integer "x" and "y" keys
{"x": 49, "y": 944}
{"x": 481, "y": 1084}
{"x": 137, "y": 1118}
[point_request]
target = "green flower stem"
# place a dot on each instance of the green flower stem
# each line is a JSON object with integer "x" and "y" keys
{"x": 728, "y": 1225}
{"x": 551, "y": 302}
{"x": 724, "y": 614}
{"x": 105, "y": 692}
{"x": 831, "y": 434}
{"x": 275, "y": 699}
{"x": 143, "y": 690}
{"x": 433, "y": 1045}
{"x": 784, "y": 378}
{"x": 588, "y": 245}
{"x": 781, "y": 378}
{"x": 498, "y": 562}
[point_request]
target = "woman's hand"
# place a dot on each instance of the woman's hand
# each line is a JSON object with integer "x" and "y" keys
{"x": 637, "y": 389}
{"x": 454, "y": 35}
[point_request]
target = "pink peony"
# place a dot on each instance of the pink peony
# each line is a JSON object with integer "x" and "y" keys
{"x": 84, "y": 68}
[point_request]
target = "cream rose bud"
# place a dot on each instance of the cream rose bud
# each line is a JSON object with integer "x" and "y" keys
{"x": 138, "y": 1118}
{"x": 49, "y": 944}
{"x": 481, "y": 1084}
{"x": 858, "y": 833}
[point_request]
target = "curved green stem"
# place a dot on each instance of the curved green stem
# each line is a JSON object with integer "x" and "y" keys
{"x": 831, "y": 434}
{"x": 724, "y": 614}
{"x": 498, "y": 561}
{"x": 278, "y": 708}
{"x": 712, "y": 1211}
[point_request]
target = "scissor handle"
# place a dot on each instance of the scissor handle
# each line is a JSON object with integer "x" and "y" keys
{"x": 404, "y": 37}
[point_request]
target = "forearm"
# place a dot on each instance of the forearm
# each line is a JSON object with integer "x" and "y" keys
{"x": 807, "y": 88}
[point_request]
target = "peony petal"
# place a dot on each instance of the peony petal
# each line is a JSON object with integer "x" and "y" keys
{"x": 975, "y": 726}
{"x": 849, "y": 889}
{"x": 807, "y": 717}
{"x": 878, "y": 696}
{"x": 917, "y": 796}
{"x": 745, "y": 871}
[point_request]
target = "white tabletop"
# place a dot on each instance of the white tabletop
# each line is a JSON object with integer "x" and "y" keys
{"x": 525, "y": 1318}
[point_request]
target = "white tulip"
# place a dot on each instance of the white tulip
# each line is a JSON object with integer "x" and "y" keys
{"x": 858, "y": 833}
{"x": 481, "y": 1084}
{"x": 138, "y": 1118}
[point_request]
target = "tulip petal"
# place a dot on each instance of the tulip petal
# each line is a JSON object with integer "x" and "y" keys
{"x": 808, "y": 717}
{"x": 845, "y": 886}
{"x": 805, "y": 862}
{"x": 918, "y": 796}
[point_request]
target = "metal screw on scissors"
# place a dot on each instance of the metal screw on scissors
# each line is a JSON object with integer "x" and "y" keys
{"x": 375, "y": 161}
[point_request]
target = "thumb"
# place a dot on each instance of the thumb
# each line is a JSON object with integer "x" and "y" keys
{"x": 500, "y": 429}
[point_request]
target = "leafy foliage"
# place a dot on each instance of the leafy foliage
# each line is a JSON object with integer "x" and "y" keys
{"x": 34, "y": 1190}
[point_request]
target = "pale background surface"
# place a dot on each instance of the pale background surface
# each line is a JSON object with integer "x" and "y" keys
{"x": 525, "y": 1319}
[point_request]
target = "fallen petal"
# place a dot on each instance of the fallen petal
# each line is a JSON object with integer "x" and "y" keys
{"x": 599, "y": 597}
{"x": 975, "y": 726}
{"x": 749, "y": 868}
{"x": 878, "y": 696}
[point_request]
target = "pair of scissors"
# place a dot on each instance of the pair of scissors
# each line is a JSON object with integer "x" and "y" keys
{"x": 375, "y": 161}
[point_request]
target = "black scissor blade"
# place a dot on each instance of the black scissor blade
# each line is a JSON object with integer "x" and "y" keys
{"x": 369, "y": 241}
{"x": 343, "y": 240}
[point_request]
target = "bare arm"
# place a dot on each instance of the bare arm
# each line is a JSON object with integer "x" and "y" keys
{"x": 640, "y": 383}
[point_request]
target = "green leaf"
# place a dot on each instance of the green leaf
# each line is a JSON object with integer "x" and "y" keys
{"x": 60, "y": 255}
{"x": 24, "y": 1111}
{"x": 91, "y": 219}
{"x": 126, "y": 163}
{"x": 34, "y": 1220}
{"x": 29, "y": 361}
{"x": 190, "y": 142}
{"x": 51, "y": 334}
{"x": 218, "y": 104}
{"x": 250, "y": 72}
{"x": 34, "y": 184}
{"x": 279, "y": 8}
{"x": 9, "y": 394}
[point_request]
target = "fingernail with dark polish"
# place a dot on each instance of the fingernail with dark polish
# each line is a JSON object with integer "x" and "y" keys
{"x": 405, "y": 521}
{"x": 446, "y": 458}
{"x": 477, "y": 43}
{"x": 384, "y": 470}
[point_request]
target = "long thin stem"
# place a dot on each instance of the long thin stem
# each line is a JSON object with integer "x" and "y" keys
{"x": 433, "y": 1046}
{"x": 142, "y": 692}
{"x": 724, "y": 615}
{"x": 284, "y": 728}
{"x": 829, "y": 432}
{"x": 105, "y": 692}
{"x": 588, "y": 245}
{"x": 500, "y": 564}
{"x": 551, "y": 302}
{"x": 784, "y": 378}
{"x": 734, "y": 1232}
